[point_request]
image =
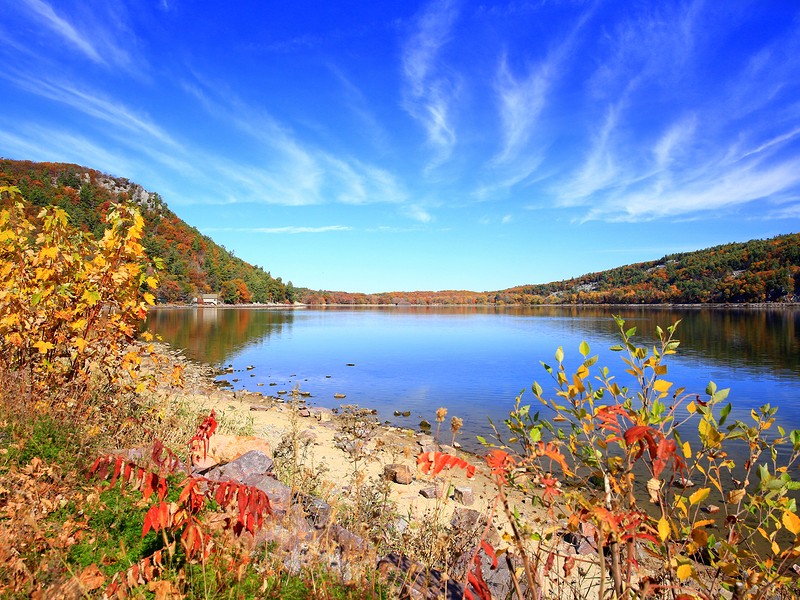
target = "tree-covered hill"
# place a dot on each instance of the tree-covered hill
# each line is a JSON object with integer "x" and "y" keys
{"x": 754, "y": 271}
{"x": 193, "y": 263}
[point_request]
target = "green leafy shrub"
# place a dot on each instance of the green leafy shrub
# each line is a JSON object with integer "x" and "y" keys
{"x": 666, "y": 516}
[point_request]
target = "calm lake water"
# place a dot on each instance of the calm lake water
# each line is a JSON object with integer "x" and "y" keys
{"x": 476, "y": 360}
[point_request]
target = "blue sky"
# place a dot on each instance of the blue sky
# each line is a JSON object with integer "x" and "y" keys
{"x": 400, "y": 145}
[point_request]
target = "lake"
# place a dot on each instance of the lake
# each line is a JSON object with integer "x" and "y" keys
{"x": 475, "y": 360}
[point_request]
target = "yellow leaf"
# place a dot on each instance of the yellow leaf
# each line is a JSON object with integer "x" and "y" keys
{"x": 691, "y": 408}
{"x": 775, "y": 548}
{"x": 699, "y": 496}
{"x": 705, "y": 522}
{"x": 152, "y": 282}
{"x": 735, "y": 496}
{"x": 48, "y": 253}
{"x": 792, "y": 522}
{"x": 80, "y": 344}
{"x": 662, "y": 386}
{"x": 149, "y": 298}
{"x": 663, "y": 529}
{"x": 685, "y": 571}
{"x": 43, "y": 346}
{"x": 687, "y": 450}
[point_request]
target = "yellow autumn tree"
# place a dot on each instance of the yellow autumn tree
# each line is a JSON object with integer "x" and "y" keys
{"x": 70, "y": 304}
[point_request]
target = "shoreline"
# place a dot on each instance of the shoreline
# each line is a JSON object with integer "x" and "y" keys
{"x": 299, "y": 306}
{"x": 325, "y": 450}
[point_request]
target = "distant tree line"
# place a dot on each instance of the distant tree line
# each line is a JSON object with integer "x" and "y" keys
{"x": 750, "y": 272}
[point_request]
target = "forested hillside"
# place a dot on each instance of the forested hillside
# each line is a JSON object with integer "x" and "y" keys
{"x": 754, "y": 271}
{"x": 193, "y": 263}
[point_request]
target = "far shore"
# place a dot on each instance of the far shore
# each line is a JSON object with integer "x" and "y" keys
{"x": 300, "y": 305}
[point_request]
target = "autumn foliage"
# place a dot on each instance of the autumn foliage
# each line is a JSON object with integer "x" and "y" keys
{"x": 185, "y": 521}
{"x": 607, "y": 456}
{"x": 70, "y": 304}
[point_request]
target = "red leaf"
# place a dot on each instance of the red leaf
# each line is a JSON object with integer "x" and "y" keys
{"x": 204, "y": 431}
{"x": 487, "y": 548}
{"x": 500, "y": 461}
{"x": 477, "y": 582}
{"x": 642, "y": 434}
{"x": 432, "y": 463}
{"x": 148, "y": 484}
{"x": 157, "y": 518}
{"x": 550, "y": 450}
{"x": 117, "y": 467}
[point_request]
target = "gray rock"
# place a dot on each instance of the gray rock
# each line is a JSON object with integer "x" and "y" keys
{"x": 254, "y": 462}
{"x": 412, "y": 580}
{"x": 464, "y": 495}
{"x": 280, "y": 495}
{"x": 318, "y": 512}
{"x": 434, "y": 491}
{"x": 470, "y": 520}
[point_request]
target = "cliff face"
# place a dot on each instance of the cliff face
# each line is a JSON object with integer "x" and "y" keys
{"x": 193, "y": 263}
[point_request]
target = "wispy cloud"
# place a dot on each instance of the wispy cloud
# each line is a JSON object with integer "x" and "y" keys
{"x": 659, "y": 154}
{"x": 418, "y": 213}
{"x": 430, "y": 89}
{"x": 280, "y": 230}
{"x": 522, "y": 99}
{"x": 97, "y": 32}
{"x": 289, "y": 170}
{"x": 60, "y": 26}
{"x": 357, "y": 103}
{"x": 37, "y": 142}
{"x": 91, "y": 103}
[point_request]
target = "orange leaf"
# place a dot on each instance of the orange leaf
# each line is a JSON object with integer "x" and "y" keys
{"x": 91, "y": 578}
{"x": 432, "y": 463}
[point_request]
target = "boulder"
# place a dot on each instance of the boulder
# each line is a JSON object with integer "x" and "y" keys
{"x": 318, "y": 512}
{"x": 280, "y": 495}
{"x": 251, "y": 463}
{"x": 225, "y": 448}
{"x": 398, "y": 473}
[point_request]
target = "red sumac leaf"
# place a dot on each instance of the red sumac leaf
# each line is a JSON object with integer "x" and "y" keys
{"x": 432, "y": 463}
{"x": 163, "y": 488}
{"x": 117, "y": 468}
{"x": 149, "y": 477}
{"x": 476, "y": 581}
{"x": 500, "y": 461}
{"x": 551, "y": 451}
{"x": 489, "y": 550}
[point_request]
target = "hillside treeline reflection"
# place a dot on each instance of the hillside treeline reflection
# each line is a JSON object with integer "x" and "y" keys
{"x": 213, "y": 335}
{"x": 746, "y": 337}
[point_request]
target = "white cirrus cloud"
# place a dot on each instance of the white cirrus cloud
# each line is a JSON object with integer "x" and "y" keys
{"x": 430, "y": 89}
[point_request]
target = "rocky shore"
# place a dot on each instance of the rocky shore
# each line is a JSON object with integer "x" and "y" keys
{"x": 334, "y": 452}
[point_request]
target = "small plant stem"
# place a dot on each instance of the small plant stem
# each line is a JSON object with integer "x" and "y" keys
{"x": 517, "y": 536}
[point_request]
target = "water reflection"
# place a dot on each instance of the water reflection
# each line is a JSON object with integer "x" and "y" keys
{"x": 475, "y": 360}
{"x": 214, "y": 335}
